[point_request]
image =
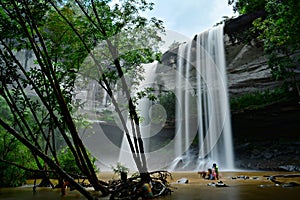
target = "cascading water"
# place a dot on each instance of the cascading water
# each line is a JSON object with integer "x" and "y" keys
{"x": 206, "y": 57}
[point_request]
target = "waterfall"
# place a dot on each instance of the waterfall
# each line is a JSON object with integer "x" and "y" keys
{"x": 206, "y": 57}
{"x": 202, "y": 132}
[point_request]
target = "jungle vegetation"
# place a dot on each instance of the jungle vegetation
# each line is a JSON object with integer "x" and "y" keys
{"x": 39, "y": 115}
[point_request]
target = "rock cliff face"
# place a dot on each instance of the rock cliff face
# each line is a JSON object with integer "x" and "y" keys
{"x": 247, "y": 68}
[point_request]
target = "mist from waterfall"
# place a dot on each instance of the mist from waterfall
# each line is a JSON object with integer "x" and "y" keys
{"x": 207, "y": 104}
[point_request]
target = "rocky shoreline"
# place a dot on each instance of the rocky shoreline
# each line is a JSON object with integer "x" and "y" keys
{"x": 268, "y": 156}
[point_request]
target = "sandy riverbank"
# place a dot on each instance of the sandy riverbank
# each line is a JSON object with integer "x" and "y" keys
{"x": 255, "y": 187}
{"x": 243, "y": 185}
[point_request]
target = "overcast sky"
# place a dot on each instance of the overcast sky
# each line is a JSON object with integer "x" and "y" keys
{"x": 189, "y": 17}
{"x": 183, "y": 19}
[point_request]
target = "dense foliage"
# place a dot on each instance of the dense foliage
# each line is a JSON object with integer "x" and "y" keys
{"x": 58, "y": 36}
{"x": 68, "y": 163}
{"x": 247, "y": 6}
{"x": 12, "y": 151}
{"x": 259, "y": 99}
{"x": 168, "y": 101}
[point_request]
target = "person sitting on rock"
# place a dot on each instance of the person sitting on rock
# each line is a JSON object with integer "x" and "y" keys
{"x": 210, "y": 174}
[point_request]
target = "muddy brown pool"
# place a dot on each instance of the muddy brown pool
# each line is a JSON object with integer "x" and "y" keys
{"x": 256, "y": 186}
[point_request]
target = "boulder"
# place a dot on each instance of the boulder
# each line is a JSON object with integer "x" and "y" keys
{"x": 182, "y": 181}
